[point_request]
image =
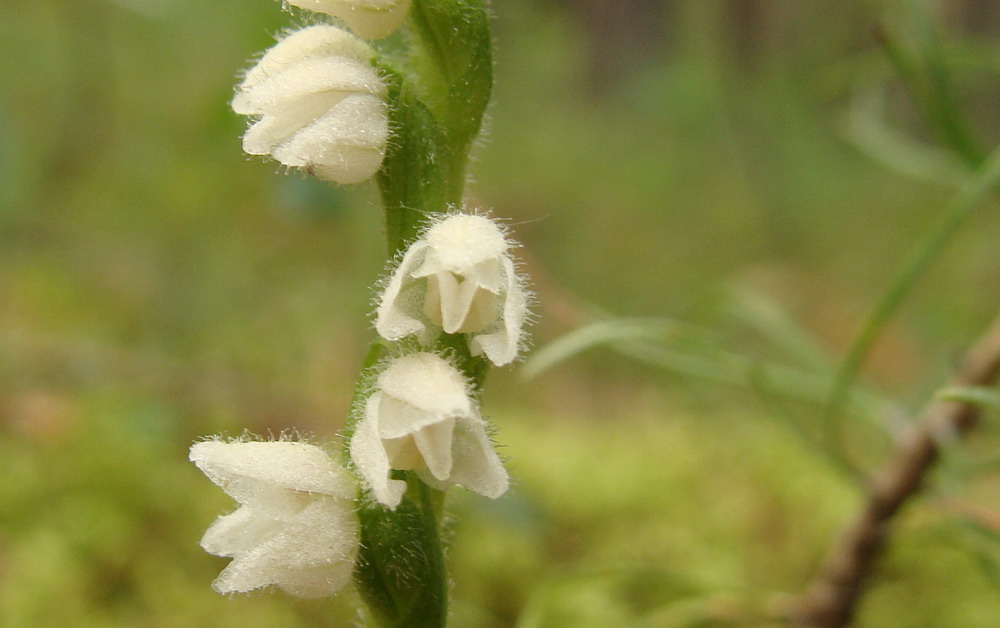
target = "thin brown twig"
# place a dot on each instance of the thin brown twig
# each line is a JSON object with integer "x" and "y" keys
{"x": 831, "y": 599}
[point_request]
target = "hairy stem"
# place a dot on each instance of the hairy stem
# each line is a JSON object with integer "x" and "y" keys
{"x": 831, "y": 599}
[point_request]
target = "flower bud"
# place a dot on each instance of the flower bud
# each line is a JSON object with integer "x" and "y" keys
{"x": 320, "y": 105}
{"x": 421, "y": 417}
{"x": 371, "y": 19}
{"x": 457, "y": 278}
{"x": 295, "y": 527}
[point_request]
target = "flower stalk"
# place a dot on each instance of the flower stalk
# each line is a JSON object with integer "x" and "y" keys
{"x": 437, "y": 98}
{"x": 436, "y": 95}
{"x": 401, "y": 575}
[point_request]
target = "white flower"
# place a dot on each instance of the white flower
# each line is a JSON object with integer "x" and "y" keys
{"x": 320, "y": 104}
{"x": 457, "y": 277}
{"x": 371, "y": 19}
{"x": 421, "y": 417}
{"x": 295, "y": 527}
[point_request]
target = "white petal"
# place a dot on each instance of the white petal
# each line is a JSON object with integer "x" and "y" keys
{"x": 440, "y": 302}
{"x": 271, "y": 130}
{"x": 347, "y": 164}
{"x": 501, "y": 346}
{"x": 476, "y": 465}
{"x": 435, "y": 444}
{"x": 372, "y": 19}
{"x": 459, "y": 307}
{"x": 399, "y": 305}
{"x": 345, "y": 145}
{"x": 333, "y": 76}
{"x": 462, "y": 241}
{"x": 403, "y": 453}
{"x": 428, "y": 382}
{"x": 333, "y": 5}
{"x": 489, "y": 274}
{"x": 310, "y": 556}
{"x": 397, "y": 419}
{"x": 482, "y": 313}
{"x": 319, "y": 40}
{"x": 370, "y": 458}
{"x": 316, "y": 582}
{"x": 241, "y": 468}
{"x": 238, "y": 532}
{"x": 356, "y": 120}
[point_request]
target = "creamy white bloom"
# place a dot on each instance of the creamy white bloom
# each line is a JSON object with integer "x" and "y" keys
{"x": 371, "y": 19}
{"x": 295, "y": 527}
{"x": 421, "y": 417}
{"x": 457, "y": 277}
{"x": 319, "y": 103}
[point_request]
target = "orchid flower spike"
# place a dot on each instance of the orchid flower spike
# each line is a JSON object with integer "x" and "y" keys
{"x": 319, "y": 105}
{"x": 371, "y": 19}
{"x": 458, "y": 277}
{"x": 421, "y": 417}
{"x": 295, "y": 527}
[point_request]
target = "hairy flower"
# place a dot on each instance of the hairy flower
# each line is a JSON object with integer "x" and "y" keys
{"x": 372, "y": 19}
{"x": 319, "y": 104}
{"x": 457, "y": 277}
{"x": 295, "y": 527}
{"x": 421, "y": 417}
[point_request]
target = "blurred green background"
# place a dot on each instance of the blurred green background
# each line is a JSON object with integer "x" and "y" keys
{"x": 655, "y": 159}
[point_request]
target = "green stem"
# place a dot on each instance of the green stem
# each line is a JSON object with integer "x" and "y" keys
{"x": 415, "y": 178}
{"x": 436, "y": 97}
{"x": 401, "y": 574}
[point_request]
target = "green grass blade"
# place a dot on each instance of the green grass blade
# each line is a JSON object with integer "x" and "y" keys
{"x": 902, "y": 284}
{"x": 975, "y": 395}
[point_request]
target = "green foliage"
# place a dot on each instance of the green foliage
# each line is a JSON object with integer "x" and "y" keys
{"x": 979, "y": 396}
{"x": 913, "y": 268}
{"x": 924, "y": 68}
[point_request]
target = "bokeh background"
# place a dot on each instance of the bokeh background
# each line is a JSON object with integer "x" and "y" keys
{"x": 697, "y": 161}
